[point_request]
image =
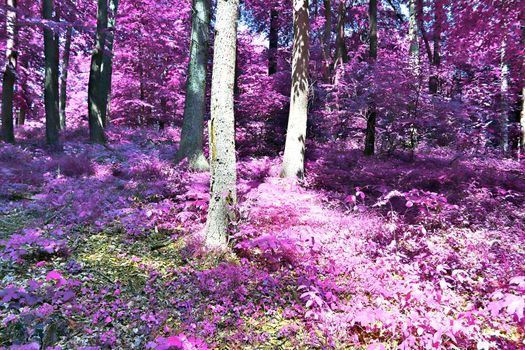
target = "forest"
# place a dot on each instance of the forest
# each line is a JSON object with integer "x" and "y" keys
{"x": 262, "y": 174}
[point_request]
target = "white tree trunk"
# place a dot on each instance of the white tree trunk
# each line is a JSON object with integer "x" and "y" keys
{"x": 222, "y": 126}
{"x": 413, "y": 37}
{"x": 293, "y": 161}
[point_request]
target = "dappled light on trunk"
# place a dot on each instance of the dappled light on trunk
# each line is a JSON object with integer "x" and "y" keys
{"x": 294, "y": 151}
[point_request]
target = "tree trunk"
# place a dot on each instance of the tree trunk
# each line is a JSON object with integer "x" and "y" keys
{"x": 412, "y": 35}
{"x": 433, "y": 84}
{"x": 107, "y": 62}
{"x": 522, "y": 117}
{"x": 420, "y": 15}
{"x": 96, "y": 97}
{"x": 223, "y": 181}
{"x": 274, "y": 41}
{"x": 341, "y": 55}
{"x": 522, "y": 122}
{"x": 51, "y": 79}
{"x": 8, "y": 82}
{"x": 327, "y": 36}
{"x": 191, "y": 142}
{"x": 22, "y": 116}
{"x": 57, "y": 58}
{"x": 504, "y": 122}
{"x": 293, "y": 161}
{"x": 370, "y": 136}
{"x": 63, "y": 78}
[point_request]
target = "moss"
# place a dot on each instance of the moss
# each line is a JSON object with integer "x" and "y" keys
{"x": 14, "y": 221}
{"x": 114, "y": 257}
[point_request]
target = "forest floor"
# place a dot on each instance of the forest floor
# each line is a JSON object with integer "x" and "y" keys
{"x": 101, "y": 250}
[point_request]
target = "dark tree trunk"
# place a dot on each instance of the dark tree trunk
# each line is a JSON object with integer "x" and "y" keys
{"x": 96, "y": 97}
{"x": 327, "y": 36}
{"x": 191, "y": 143}
{"x": 57, "y": 58}
{"x": 370, "y": 136}
{"x": 25, "y": 106}
{"x": 8, "y": 81}
{"x": 522, "y": 116}
{"x": 51, "y": 79}
{"x": 341, "y": 54}
{"x": 107, "y": 61}
{"x": 433, "y": 84}
{"x": 63, "y": 78}
{"x": 274, "y": 42}
{"x": 373, "y": 28}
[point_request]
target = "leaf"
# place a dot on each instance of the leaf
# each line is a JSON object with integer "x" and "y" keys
{"x": 515, "y": 305}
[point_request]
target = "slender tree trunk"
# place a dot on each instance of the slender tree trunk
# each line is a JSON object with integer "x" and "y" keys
{"x": 327, "y": 36}
{"x": 522, "y": 122}
{"x": 504, "y": 122}
{"x": 341, "y": 55}
{"x": 191, "y": 142}
{"x": 96, "y": 97}
{"x": 522, "y": 117}
{"x": 25, "y": 106}
{"x": 412, "y": 35}
{"x": 293, "y": 160}
{"x": 9, "y": 77}
{"x": 142, "y": 94}
{"x": 107, "y": 61}
{"x": 223, "y": 181}
{"x": 63, "y": 78}
{"x": 57, "y": 58}
{"x": 274, "y": 41}
{"x": 22, "y": 116}
{"x": 433, "y": 84}
{"x": 370, "y": 137}
{"x": 420, "y": 15}
{"x": 413, "y": 51}
{"x": 51, "y": 79}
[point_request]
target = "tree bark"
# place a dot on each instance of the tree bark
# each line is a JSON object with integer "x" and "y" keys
{"x": 223, "y": 180}
{"x": 420, "y": 14}
{"x": 433, "y": 84}
{"x": 370, "y": 136}
{"x": 107, "y": 62}
{"x": 57, "y": 58}
{"x": 25, "y": 105}
{"x": 294, "y": 150}
{"x": 522, "y": 122}
{"x": 191, "y": 143}
{"x": 327, "y": 36}
{"x": 504, "y": 122}
{"x": 51, "y": 78}
{"x": 8, "y": 81}
{"x": 274, "y": 41}
{"x": 341, "y": 55}
{"x": 96, "y": 97}
{"x": 412, "y": 34}
{"x": 63, "y": 78}
{"x": 522, "y": 117}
